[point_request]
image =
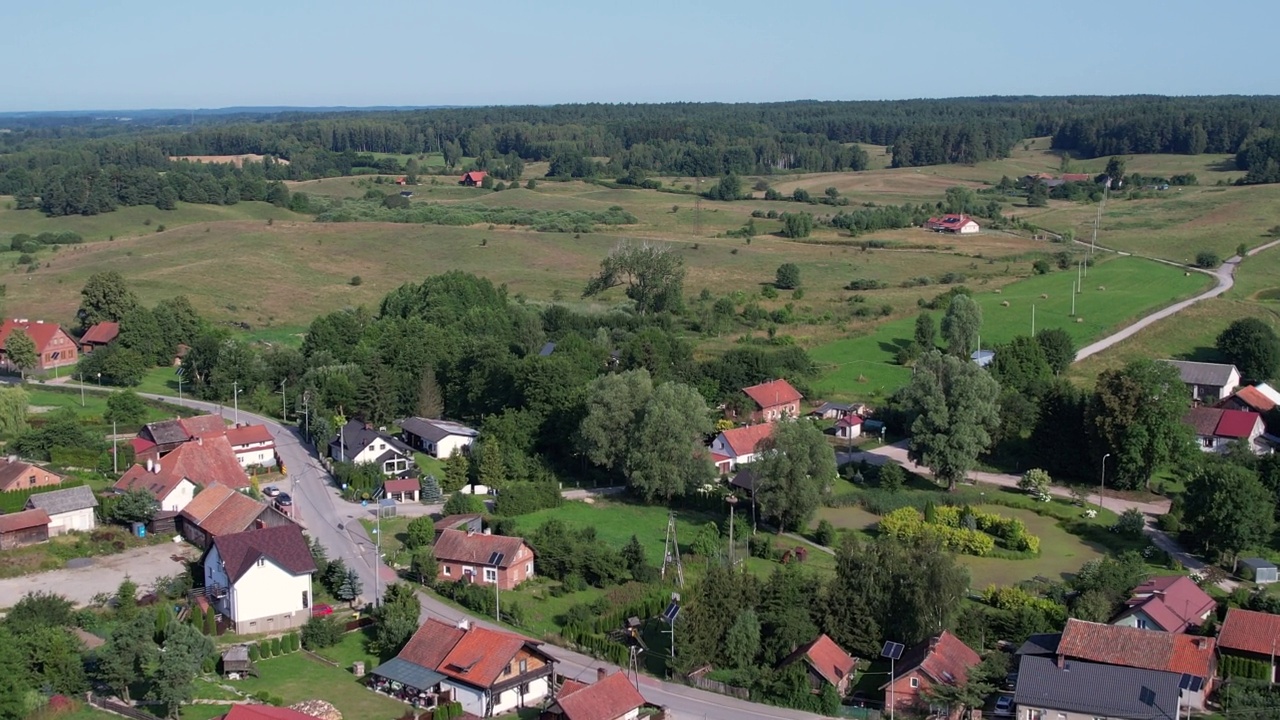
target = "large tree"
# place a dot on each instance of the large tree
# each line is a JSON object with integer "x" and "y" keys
{"x": 173, "y": 683}
{"x": 1228, "y": 509}
{"x": 653, "y": 274}
{"x": 128, "y": 654}
{"x": 1059, "y": 349}
{"x": 14, "y": 402}
{"x": 926, "y": 332}
{"x": 1135, "y": 415}
{"x": 21, "y": 351}
{"x": 953, "y": 406}
{"x": 1020, "y": 365}
{"x": 614, "y": 406}
{"x": 795, "y": 468}
{"x": 1252, "y": 346}
{"x": 666, "y": 458}
{"x": 105, "y": 297}
{"x": 961, "y": 326}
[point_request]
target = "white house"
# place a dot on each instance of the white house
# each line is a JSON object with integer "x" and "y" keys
{"x": 171, "y": 488}
{"x": 849, "y": 427}
{"x": 358, "y": 442}
{"x": 261, "y": 579}
{"x": 1216, "y": 428}
{"x": 253, "y": 445}
{"x": 437, "y": 438}
{"x": 738, "y": 446}
{"x": 70, "y": 509}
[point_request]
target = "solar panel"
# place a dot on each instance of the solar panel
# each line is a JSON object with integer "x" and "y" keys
{"x": 891, "y": 650}
{"x": 671, "y": 612}
{"x": 1147, "y": 696}
{"x": 1190, "y": 683}
{"x": 496, "y": 558}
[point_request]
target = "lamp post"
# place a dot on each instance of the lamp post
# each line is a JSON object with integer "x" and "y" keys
{"x": 733, "y": 501}
{"x": 1102, "y": 484}
{"x": 99, "y": 379}
{"x": 235, "y": 398}
{"x": 81, "y": 389}
{"x": 284, "y": 404}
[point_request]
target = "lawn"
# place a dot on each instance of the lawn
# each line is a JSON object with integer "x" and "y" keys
{"x": 352, "y": 648}
{"x": 865, "y": 366}
{"x": 47, "y": 398}
{"x": 296, "y": 677}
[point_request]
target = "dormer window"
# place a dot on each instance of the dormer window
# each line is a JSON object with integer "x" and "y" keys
{"x": 262, "y": 561}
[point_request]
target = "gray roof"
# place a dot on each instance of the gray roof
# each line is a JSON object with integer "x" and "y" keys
{"x": 407, "y": 673}
{"x": 827, "y": 407}
{"x": 745, "y": 479}
{"x": 357, "y": 437}
{"x": 1199, "y": 373}
{"x": 1041, "y": 644}
{"x": 166, "y": 432}
{"x": 1257, "y": 563}
{"x": 1096, "y": 689}
{"x": 65, "y": 500}
{"x": 434, "y": 430}
{"x": 547, "y": 349}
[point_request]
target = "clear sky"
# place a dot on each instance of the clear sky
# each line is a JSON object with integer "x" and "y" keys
{"x": 132, "y": 54}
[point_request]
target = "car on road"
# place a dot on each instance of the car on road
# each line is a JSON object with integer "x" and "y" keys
{"x": 321, "y": 610}
{"x": 1004, "y": 706}
{"x": 271, "y": 491}
{"x": 283, "y": 500}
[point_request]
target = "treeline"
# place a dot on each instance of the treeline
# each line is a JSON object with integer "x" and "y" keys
{"x": 1150, "y": 124}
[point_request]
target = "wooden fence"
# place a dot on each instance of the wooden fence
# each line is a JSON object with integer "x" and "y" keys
{"x": 118, "y": 708}
{"x": 697, "y": 679}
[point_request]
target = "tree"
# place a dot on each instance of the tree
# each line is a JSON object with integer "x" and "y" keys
{"x": 430, "y": 399}
{"x": 420, "y": 532}
{"x": 926, "y": 333}
{"x": 173, "y": 682}
{"x": 707, "y": 543}
{"x": 1135, "y": 415}
{"x": 140, "y": 332}
{"x": 1035, "y": 481}
{"x": 787, "y": 277}
{"x": 461, "y": 503}
{"x": 126, "y": 598}
{"x": 742, "y": 642}
{"x": 891, "y": 477}
{"x": 21, "y": 350}
{"x": 457, "y": 471}
{"x": 1020, "y": 364}
{"x": 349, "y": 587}
{"x": 133, "y": 506}
{"x": 128, "y": 655}
{"x": 491, "y": 469}
{"x": 39, "y": 609}
{"x": 1038, "y": 194}
{"x": 14, "y": 678}
{"x": 321, "y": 632}
{"x": 797, "y": 225}
{"x": 422, "y": 562}
{"x": 126, "y": 408}
{"x": 1059, "y": 349}
{"x": 794, "y": 471}
{"x": 961, "y": 326}
{"x": 615, "y": 403}
{"x": 1252, "y": 346}
{"x": 14, "y": 403}
{"x": 105, "y": 297}
{"x": 953, "y": 406}
{"x": 653, "y": 274}
{"x": 1227, "y": 509}
{"x": 396, "y": 619}
{"x": 1208, "y": 259}
{"x": 666, "y": 459}
{"x": 1115, "y": 171}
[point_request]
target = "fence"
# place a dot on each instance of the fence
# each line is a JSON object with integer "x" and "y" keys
{"x": 118, "y": 708}
{"x": 696, "y": 679}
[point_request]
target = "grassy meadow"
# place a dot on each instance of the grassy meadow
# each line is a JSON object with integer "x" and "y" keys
{"x": 128, "y": 222}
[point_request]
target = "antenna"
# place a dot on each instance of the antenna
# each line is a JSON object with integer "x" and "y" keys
{"x": 671, "y": 552}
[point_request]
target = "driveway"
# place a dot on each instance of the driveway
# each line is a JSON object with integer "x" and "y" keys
{"x": 79, "y": 585}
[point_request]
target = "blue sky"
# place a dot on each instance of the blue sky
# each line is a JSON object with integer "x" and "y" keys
{"x": 77, "y": 54}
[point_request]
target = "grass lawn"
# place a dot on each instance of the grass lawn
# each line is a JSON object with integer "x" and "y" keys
{"x": 201, "y": 711}
{"x": 352, "y": 648}
{"x": 429, "y": 465}
{"x": 296, "y": 677}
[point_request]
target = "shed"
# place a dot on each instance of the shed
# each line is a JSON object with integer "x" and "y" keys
{"x": 236, "y": 663}
{"x": 1260, "y": 571}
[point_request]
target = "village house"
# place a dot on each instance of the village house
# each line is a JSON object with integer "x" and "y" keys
{"x": 219, "y": 510}
{"x": 738, "y": 446}
{"x": 69, "y": 509}
{"x": 253, "y": 445}
{"x": 849, "y": 427}
{"x": 1260, "y": 398}
{"x": 174, "y": 477}
{"x": 164, "y": 436}
{"x": 99, "y": 336}
{"x": 942, "y": 659}
{"x": 467, "y": 522}
{"x": 437, "y": 438}
{"x": 27, "y": 527}
{"x": 826, "y": 663}
{"x": 610, "y": 697}
{"x": 270, "y": 712}
{"x": 952, "y": 223}
{"x": 483, "y": 559}
{"x": 1215, "y": 429}
{"x": 774, "y": 400}
{"x": 1208, "y": 382}
{"x": 402, "y": 489}
{"x": 1250, "y": 635}
{"x": 1170, "y": 604}
{"x": 54, "y": 347}
{"x": 260, "y": 579}
{"x": 171, "y": 489}
{"x": 489, "y": 672}
{"x": 17, "y": 474}
{"x": 1081, "y": 690}
{"x": 358, "y": 442}
{"x": 473, "y": 178}
{"x": 833, "y": 410}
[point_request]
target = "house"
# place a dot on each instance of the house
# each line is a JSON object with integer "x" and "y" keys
{"x": 826, "y": 663}
{"x": 99, "y": 336}
{"x": 1081, "y": 690}
{"x": 982, "y": 358}
{"x": 253, "y": 445}
{"x": 774, "y": 400}
{"x": 69, "y": 509}
{"x": 171, "y": 489}
{"x": 219, "y": 510}
{"x": 738, "y": 446}
{"x": 260, "y": 579}
{"x": 473, "y": 179}
{"x": 835, "y": 410}
{"x": 263, "y": 712}
{"x": 174, "y": 477}
{"x": 610, "y": 697}
{"x": 1169, "y": 604}
{"x": 402, "y": 489}
{"x": 1143, "y": 649}
{"x": 849, "y": 427}
{"x": 166, "y": 435}
{"x": 1251, "y": 635}
{"x": 1216, "y": 428}
{"x": 490, "y": 672}
{"x": 942, "y": 659}
{"x": 54, "y": 347}
{"x": 27, "y": 527}
{"x": 471, "y": 522}
{"x": 951, "y": 223}
{"x": 358, "y": 442}
{"x": 1209, "y": 382}
{"x": 16, "y": 474}
{"x": 437, "y": 438}
{"x": 483, "y": 559}
{"x": 1261, "y": 399}
{"x": 1260, "y": 571}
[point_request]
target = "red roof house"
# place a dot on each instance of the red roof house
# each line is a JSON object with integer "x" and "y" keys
{"x": 402, "y": 489}
{"x": 611, "y": 697}
{"x": 1249, "y": 398}
{"x": 173, "y": 478}
{"x": 942, "y": 659}
{"x": 483, "y": 559}
{"x": 218, "y": 510}
{"x": 473, "y": 178}
{"x": 827, "y": 664}
{"x": 1145, "y": 649}
{"x": 54, "y": 347}
{"x": 849, "y": 426}
{"x": 16, "y": 474}
{"x": 774, "y": 400}
{"x": 1171, "y": 604}
{"x": 263, "y": 712}
{"x": 1215, "y": 428}
{"x": 738, "y": 446}
{"x": 951, "y": 223}
{"x": 99, "y": 335}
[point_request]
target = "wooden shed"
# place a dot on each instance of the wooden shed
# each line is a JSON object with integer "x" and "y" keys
{"x": 29, "y": 527}
{"x": 236, "y": 663}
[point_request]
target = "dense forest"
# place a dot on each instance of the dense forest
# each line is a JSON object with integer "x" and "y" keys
{"x": 84, "y": 167}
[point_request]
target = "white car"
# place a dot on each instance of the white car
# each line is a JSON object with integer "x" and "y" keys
{"x": 1004, "y": 706}
{"x": 271, "y": 491}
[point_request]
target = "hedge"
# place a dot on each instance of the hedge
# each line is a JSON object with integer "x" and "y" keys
{"x": 1240, "y": 667}
{"x": 949, "y": 527}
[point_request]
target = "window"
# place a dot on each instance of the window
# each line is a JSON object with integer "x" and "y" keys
{"x": 262, "y": 561}
{"x": 524, "y": 668}
{"x": 306, "y": 599}
{"x": 915, "y": 682}
{"x": 1142, "y": 624}
{"x": 31, "y": 480}
{"x": 446, "y": 570}
{"x": 528, "y": 569}
{"x": 490, "y": 575}
{"x": 1208, "y": 442}
{"x": 508, "y": 670}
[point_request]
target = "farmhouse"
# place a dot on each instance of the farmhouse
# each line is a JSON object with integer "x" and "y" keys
{"x": 261, "y": 579}
{"x": 1216, "y": 429}
{"x": 473, "y": 178}
{"x": 774, "y": 400}
{"x": 483, "y": 559}
{"x": 738, "y": 446}
{"x": 1250, "y": 635}
{"x": 99, "y": 336}
{"x": 54, "y": 347}
{"x": 957, "y": 224}
{"x": 942, "y": 659}
{"x": 1142, "y": 649}
{"x": 437, "y": 438}
{"x": 170, "y": 487}
{"x": 219, "y": 510}
{"x": 253, "y": 445}
{"x": 490, "y": 672}
{"x": 1260, "y": 398}
{"x": 16, "y": 474}
{"x": 28, "y": 527}
{"x": 610, "y": 697}
{"x": 69, "y": 509}
{"x": 1209, "y": 382}
{"x": 358, "y": 442}
{"x": 835, "y": 410}
{"x": 826, "y": 663}
{"x": 1169, "y": 604}
{"x": 166, "y": 435}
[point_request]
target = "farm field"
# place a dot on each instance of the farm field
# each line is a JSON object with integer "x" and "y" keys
{"x": 865, "y": 366}
{"x": 127, "y": 222}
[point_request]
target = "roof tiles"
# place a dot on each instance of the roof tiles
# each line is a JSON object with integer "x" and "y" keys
{"x": 477, "y": 548}
{"x": 606, "y": 699}
{"x": 773, "y": 393}
{"x": 1249, "y": 631}
{"x": 1137, "y": 648}
{"x": 24, "y": 520}
{"x": 284, "y": 545}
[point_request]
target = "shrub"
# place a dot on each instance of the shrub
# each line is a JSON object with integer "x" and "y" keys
{"x": 1035, "y": 481}
{"x": 522, "y": 498}
{"x": 321, "y": 632}
{"x": 356, "y": 280}
{"x": 1041, "y": 267}
{"x": 276, "y": 647}
{"x": 1207, "y": 259}
{"x": 825, "y": 534}
{"x": 1131, "y": 523}
{"x": 760, "y": 546}
{"x": 254, "y": 654}
{"x": 866, "y": 284}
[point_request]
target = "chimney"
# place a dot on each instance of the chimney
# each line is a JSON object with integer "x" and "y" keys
{"x": 1062, "y": 661}
{"x": 13, "y": 458}
{"x": 200, "y": 441}
{"x": 470, "y": 532}
{"x": 488, "y": 531}
{"x": 464, "y": 624}
{"x": 368, "y": 426}
{"x": 601, "y": 673}
{"x": 157, "y": 468}
{"x": 150, "y": 465}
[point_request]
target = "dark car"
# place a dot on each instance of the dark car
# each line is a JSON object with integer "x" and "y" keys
{"x": 284, "y": 500}
{"x": 271, "y": 491}
{"x": 1011, "y": 681}
{"x": 321, "y": 610}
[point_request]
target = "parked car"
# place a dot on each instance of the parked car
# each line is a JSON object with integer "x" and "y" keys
{"x": 1011, "y": 681}
{"x": 283, "y": 500}
{"x": 321, "y": 610}
{"x": 271, "y": 491}
{"x": 1004, "y": 706}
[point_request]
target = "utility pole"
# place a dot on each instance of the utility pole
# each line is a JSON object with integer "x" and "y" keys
{"x": 81, "y": 389}
{"x": 179, "y": 385}
{"x": 306, "y": 413}
{"x": 235, "y": 396}
{"x": 733, "y": 501}
{"x": 1033, "y": 321}
{"x": 1102, "y": 484}
{"x": 1073, "y": 299}
{"x": 115, "y": 455}
{"x": 284, "y": 407}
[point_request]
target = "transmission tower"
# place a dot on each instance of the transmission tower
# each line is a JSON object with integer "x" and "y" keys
{"x": 671, "y": 552}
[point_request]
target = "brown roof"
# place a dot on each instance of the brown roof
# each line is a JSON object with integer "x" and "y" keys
{"x": 1249, "y": 631}
{"x": 102, "y": 333}
{"x": 40, "y": 332}
{"x": 826, "y": 658}
{"x": 452, "y": 522}
{"x": 249, "y": 434}
{"x": 476, "y": 548}
{"x": 1203, "y": 420}
{"x": 24, "y": 520}
{"x": 284, "y": 545}
{"x": 1137, "y": 648}
{"x": 944, "y": 658}
{"x": 12, "y": 472}
{"x": 431, "y": 643}
{"x": 745, "y": 440}
{"x": 219, "y": 510}
{"x": 402, "y": 485}
{"x": 158, "y": 484}
{"x": 204, "y": 425}
{"x": 606, "y": 699}
{"x": 475, "y": 655}
{"x": 772, "y": 393}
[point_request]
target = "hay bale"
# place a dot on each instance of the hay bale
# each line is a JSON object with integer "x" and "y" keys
{"x": 998, "y": 291}
{"x": 1079, "y": 319}
{"x": 1044, "y": 296}
{"x": 1004, "y": 303}
{"x": 1102, "y": 287}
{"x": 1186, "y": 274}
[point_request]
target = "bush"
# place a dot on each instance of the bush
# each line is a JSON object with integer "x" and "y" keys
{"x": 1041, "y": 267}
{"x": 277, "y": 648}
{"x": 1035, "y": 482}
{"x": 356, "y": 281}
{"x": 825, "y": 534}
{"x": 787, "y": 277}
{"x": 1131, "y": 523}
{"x": 1207, "y": 259}
{"x": 321, "y": 632}
{"x": 866, "y": 284}
{"x": 254, "y": 654}
{"x": 891, "y": 477}
{"x": 522, "y": 498}
{"x": 461, "y": 503}
{"x": 760, "y": 546}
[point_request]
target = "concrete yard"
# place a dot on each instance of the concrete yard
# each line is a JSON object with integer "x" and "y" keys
{"x": 79, "y": 585}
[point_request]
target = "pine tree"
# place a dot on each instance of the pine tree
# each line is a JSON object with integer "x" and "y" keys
{"x": 457, "y": 471}
{"x": 211, "y": 622}
{"x": 430, "y": 399}
{"x": 431, "y": 492}
{"x": 492, "y": 470}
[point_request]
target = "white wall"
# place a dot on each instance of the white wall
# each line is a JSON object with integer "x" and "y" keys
{"x": 266, "y": 590}
{"x": 472, "y": 700}
{"x": 450, "y": 444}
{"x": 76, "y": 520}
{"x": 263, "y": 454}
{"x": 180, "y": 496}
{"x": 510, "y": 699}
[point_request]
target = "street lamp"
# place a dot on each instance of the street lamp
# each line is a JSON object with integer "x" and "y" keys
{"x": 893, "y": 651}
{"x": 733, "y": 501}
{"x": 99, "y": 379}
{"x": 1102, "y": 484}
{"x": 235, "y": 398}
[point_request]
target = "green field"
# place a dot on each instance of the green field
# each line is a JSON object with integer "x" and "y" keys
{"x": 48, "y": 398}
{"x": 296, "y": 677}
{"x": 133, "y": 221}
{"x": 865, "y": 367}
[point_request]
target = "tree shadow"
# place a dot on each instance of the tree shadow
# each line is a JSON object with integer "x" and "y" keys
{"x": 893, "y": 346}
{"x": 1202, "y": 354}
{"x": 1224, "y": 165}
